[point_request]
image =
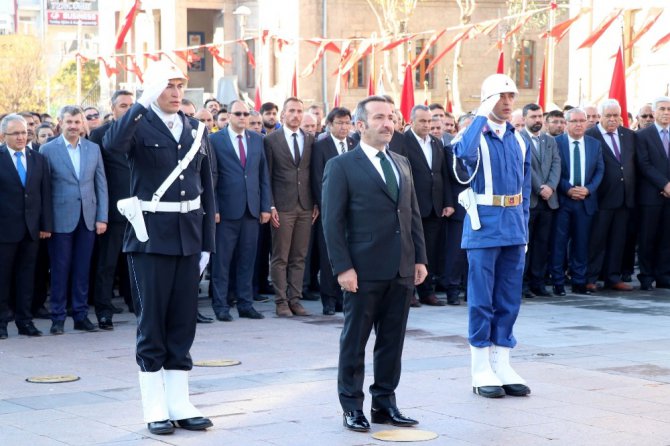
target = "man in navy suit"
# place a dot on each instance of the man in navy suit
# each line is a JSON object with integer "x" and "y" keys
{"x": 25, "y": 218}
{"x": 582, "y": 169}
{"x": 433, "y": 192}
{"x": 79, "y": 195}
{"x": 616, "y": 198}
{"x": 373, "y": 232}
{"x": 334, "y": 143}
{"x": 653, "y": 160}
{"x": 243, "y": 195}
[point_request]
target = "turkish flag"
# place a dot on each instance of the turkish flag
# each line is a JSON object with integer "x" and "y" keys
{"x": 127, "y": 24}
{"x": 407, "y": 95}
{"x": 600, "y": 29}
{"x": 501, "y": 62}
{"x": 371, "y": 85}
{"x": 540, "y": 96}
{"x": 257, "y": 99}
{"x": 294, "y": 82}
{"x": 618, "y": 87}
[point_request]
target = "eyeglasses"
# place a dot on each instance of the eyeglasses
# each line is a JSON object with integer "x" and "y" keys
{"x": 17, "y": 134}
{"x": 92, "y": 116}
{"x": 238, "y": 114}
{"x": 646, "y": 116}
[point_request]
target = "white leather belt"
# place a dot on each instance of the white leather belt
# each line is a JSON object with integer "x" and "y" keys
{"x": 182, "y": 207}
{"x": 498, "y": 200}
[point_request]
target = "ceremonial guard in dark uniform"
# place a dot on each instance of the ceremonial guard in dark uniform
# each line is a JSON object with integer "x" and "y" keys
{"x": 171, "y": 211}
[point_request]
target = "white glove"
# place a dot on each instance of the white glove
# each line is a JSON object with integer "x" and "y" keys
{"x": 486, "y": 107}
{"x": 152, "y": 89}
{"x": 204, "y": 260}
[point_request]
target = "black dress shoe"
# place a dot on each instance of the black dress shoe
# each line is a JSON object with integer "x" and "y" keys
{"x": 202, "y": 319}
{"x": 355, "y": 421}
{"x": 84, "y": 325}
{"x": 516, "y": 389}
{"x": 455, "y": 301}
{"x": 646, "y": 287}
{"x": 194, "y": 424}
{"x": 224, "y": 316}
{"x": 42, "y": 313}
{"x": 391, "y": 415}
{"x": 28, "y": 329}
{"x": 105, "y": 323}
{"x": 117, "y": 310}
{"x": 251, "y": 313}
{"x": 489, "y": 391}
{"x": 540, "y": 291}
{"x": 3, "y": 332}
{"x": 581, "y": 289}
{"x": 626, "y": 278}
{"x": 57, "y": 328}
{"x": 160, "y": 427}
{"x": 328, "y": 312}
{"x": 559, "y": 290}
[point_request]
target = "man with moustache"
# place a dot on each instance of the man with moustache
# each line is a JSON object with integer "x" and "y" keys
{"x": 255, "y": 121}
{"x": 269, "y": 113}
{"x": 555, "y": 121}
{"x": 374, "y": 239}
{"x": 501, "y": 195}
{"x": 645, "y": 117}
{"x": 169, "y": 248}
{"x": 592, "y": 116}
{"x": 546, "y": 173}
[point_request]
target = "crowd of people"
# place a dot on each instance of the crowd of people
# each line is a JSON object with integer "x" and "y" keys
{"x": 595, "y": 209}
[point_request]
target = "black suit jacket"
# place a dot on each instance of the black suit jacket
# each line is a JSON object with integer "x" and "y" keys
{"x": 431, "y": 183}
{"x": 618, "y": 185}
{"x": 653, "y": 167}
{"x": 364, "y": 227}
{"x": 24, "y": 209}
{"x": 152, "y": 154}
{"x": 322, "y": 151}
{"x": 117, "y": 172}
{"x": 455, "y": 186}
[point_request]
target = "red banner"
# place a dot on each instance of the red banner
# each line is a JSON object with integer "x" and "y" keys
{"x": 600, "y": 29}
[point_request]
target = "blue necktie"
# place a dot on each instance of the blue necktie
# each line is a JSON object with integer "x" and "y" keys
{"x": 20, "y": 169}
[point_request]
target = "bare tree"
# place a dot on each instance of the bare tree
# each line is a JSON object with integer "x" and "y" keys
{"x": 466, "y": 8}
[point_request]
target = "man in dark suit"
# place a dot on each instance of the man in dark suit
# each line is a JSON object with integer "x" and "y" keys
{"x": 336, "y": 142}
{"x": 169, "y": 248}
{"x": 582, "y": 171}
{"x": 25, "y": 218}
{"x": 111, "y": 242}
{"x": 455, "y": 258}
{"x": 80, "y": 206}
{"x": 243, "y": 195}
{"x": 545, "y": 175}
{"x": 433, "y": 192}
{"x": 372, "y": 227}
{"x": 616, "y": 198}
{"x": 653, "y": 161}
{"x": 289, "y": 152}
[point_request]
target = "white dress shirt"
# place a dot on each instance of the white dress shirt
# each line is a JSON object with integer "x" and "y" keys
{"x": 234, "y": 140}
{"x": 582, "y": 159}
{"x": 608, "y": 140}
{"x": 371, "y": 153}
{"x": 172, "y": 121}
{"x": 425, "y": 148}
{"x": 12, "y": 154}
{"x": 74, "y": 153}
{"x": 288, "y": 134}
{"x": 339, "y": 143}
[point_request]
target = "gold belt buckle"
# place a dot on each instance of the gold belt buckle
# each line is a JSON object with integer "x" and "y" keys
{"x": 511, "y": 200}
{"x": 497, "y": 200}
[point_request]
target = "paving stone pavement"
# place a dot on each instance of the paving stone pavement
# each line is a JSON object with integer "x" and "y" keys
{"x": 598, "y": 366}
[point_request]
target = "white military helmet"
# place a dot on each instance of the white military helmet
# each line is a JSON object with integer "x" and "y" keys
{"x": 163, "y": 69}
{"x": 497, "y": 84}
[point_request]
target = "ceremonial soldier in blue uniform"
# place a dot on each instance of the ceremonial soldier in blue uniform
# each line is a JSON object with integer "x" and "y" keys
{"x": 171, "y": 211}
{"x": 495, "y": 235}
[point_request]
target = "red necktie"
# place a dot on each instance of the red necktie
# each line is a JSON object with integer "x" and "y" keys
{"x": 243, "y": 155}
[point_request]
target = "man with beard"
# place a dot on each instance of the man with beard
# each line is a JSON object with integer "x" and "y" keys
{"x": 555, "y": 123}
{"x": 545, "y": 175}
{"x": 269, "y": 112}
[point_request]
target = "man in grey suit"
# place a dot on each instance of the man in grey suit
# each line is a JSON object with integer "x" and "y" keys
{"x": 79, "y": 197}
{"x": 293, "y": 211}
{"x": 545, "y": 175}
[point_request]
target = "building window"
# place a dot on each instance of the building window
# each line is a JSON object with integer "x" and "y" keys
{"x": 250, "y": 71}
{"x": 523, "y": 64}
{"x": 358, "y": 75}
{"x": 420, "y": 75}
